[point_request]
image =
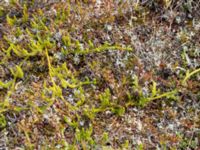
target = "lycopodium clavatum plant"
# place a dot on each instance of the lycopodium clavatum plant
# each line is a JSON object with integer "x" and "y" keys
{"x": 155, "y": 94}
{"x": 189, "y": 75}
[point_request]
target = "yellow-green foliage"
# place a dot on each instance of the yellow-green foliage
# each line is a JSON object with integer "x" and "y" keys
{"x": 25, "y": 14}
{"x": 62, "y": 89}
{"x": 11, "y": 21}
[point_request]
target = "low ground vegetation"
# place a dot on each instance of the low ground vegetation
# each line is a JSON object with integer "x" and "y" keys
{"x": 100, "y": 74}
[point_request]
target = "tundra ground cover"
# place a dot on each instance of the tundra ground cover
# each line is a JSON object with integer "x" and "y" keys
{"x": 99, "y": 74}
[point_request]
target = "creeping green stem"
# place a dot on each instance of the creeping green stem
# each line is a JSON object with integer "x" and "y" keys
{"x": 162, "y": 95}
{"x": 190, "y": 74}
